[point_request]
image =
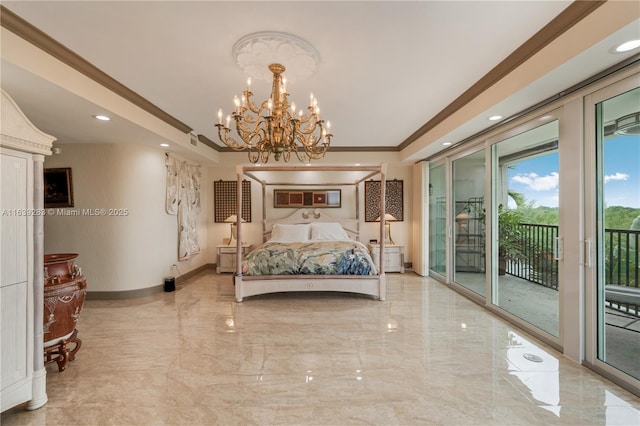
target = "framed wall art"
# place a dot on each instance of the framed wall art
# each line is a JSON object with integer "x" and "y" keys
{"x": 294, "y": 198}
{"x": 225, "y": 196}
{"x": 58, "y": 188}
{"x": 394, "y": 203}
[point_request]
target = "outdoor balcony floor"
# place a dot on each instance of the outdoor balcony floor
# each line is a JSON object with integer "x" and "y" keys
{"x": 538, "y": 305}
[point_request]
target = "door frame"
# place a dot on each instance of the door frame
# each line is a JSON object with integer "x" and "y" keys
{"x": 591, "y": 233}
{"x": 532, "y": 122}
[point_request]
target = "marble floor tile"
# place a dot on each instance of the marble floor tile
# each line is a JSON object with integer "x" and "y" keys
{"x": 425, "y": 356}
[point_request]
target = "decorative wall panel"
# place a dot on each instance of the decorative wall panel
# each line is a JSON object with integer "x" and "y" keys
{"x": 394, "y": 203}
{"x": 225, "y": 196}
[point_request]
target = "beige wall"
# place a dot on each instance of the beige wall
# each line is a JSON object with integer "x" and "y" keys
{"x": 400, "y": 231}
{"x": 120, "y": 253}
{"x": 136, "y": 251}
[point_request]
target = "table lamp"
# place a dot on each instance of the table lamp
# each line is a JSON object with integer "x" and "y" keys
{"x": 388, "y": 218}
{"x": 232, "y": 220}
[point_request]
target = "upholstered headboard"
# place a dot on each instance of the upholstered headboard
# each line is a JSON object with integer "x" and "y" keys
{"x": 311, "y": 216}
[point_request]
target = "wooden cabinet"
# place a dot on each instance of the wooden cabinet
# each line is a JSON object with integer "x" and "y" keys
{"x": 393, "y": 257}
{"x": 22, "y": 150}
{"x": 226, "y": 259}
{"x": 16, "y": 289}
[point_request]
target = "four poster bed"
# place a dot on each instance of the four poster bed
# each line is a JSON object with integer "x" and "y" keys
{"x": 309, "y": 250}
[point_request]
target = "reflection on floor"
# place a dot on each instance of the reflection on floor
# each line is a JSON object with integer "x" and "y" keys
{"x": 426, "y": 355}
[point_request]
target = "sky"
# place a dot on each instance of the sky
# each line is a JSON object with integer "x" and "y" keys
{"x": 537, "y": 178}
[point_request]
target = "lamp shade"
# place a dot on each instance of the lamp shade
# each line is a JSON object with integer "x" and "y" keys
{"x": 233, "y": 219}
{"x": 388, "y": 217}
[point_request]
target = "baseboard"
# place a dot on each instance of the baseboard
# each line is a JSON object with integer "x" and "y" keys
{"x": 142, "y": 292}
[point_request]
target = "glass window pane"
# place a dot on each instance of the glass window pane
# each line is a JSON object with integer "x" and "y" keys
{"x": 437, "y": 220}
{"x": 526, "y": 179}
{"x": 618, "y": 182}
{"x": 468, "y": 222}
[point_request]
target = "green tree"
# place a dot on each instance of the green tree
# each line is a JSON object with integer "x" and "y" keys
{"x": 618, "y": 217}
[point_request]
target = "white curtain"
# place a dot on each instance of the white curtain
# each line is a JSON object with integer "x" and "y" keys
{"x": 183, "y": 200}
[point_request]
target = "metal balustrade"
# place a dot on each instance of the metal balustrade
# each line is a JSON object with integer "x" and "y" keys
{"x": 537, "y": 264}
{"x": 622, "y": 270}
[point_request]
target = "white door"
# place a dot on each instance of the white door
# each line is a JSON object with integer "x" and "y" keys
{"x": 16, "y": 298}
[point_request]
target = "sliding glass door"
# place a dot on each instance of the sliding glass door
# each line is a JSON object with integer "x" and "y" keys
{"x": 616, "y": 324}
{"x": 525, "y": 183}
{"x": 541, "y": 221}
{"x": 438, "y": 220}
{"x": 468, "y": 227}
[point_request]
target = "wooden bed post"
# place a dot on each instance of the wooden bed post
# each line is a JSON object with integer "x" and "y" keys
{"x": 239, "y": 174}
{"x": 383, "y": 197}
{"x": 357, "y": 190}
{"x": 264, "y": 212}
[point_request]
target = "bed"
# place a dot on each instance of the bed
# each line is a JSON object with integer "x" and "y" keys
{"x": 309, "y": 250}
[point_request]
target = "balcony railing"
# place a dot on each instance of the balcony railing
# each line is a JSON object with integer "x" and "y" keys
{"x": 622, "y": 269}
{"x": 539, "y": 266}
{"x": 621, "y": 266}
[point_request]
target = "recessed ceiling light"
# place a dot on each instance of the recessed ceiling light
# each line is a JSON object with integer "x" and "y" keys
{"x": 356, "y": 164}
{"x": 166, "y": 145}
{"x": 495, "y": 117}
{"x": 101, "y": 117}
{"x": 628, "y": 45}
{"x": 446, "y": 143}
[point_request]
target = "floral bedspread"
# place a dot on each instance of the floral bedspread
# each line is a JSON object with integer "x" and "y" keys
{"x": 310, "y": 258}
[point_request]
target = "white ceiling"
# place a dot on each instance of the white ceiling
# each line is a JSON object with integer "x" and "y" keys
{"x": 386, "y": 67}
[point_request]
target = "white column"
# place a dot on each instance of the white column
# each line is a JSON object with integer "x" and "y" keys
{"x": 39, "y": 396}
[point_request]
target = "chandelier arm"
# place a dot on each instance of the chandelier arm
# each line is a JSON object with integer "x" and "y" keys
{"x": 316, "y": 154}
{"x": 229, "y": 141}
{"x": 249, "y": 103}
{"x": 312, "y": 129}
{"x": 312, "y": 136}
{"x": 304, "y": 119}
{"x": 265, "y": 156}
{"x": 254, "y": 156}
{"x": 315, "y": 146}
{"x": 302, "y": 156}
{"x": 246, "y": 133}
{"x": 316, "y": 150}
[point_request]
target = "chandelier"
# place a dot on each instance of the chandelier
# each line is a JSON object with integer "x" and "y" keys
{"x": 275, "y": 126}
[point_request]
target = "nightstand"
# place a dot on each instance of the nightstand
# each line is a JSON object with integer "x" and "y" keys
{"x": 393, "y": 257}
{"x": 226, "y": 260}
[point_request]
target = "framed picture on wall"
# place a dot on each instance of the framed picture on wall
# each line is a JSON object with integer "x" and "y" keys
{"x": 58, "y": 187}
{"x": 294, "y": 198}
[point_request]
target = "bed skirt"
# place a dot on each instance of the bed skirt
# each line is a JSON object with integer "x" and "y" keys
{"x": 253, "y": 285}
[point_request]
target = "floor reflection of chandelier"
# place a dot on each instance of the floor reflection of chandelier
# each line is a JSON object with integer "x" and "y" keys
{"x": 275, "y": 126}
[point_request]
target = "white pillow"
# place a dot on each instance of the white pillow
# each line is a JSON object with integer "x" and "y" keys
{"x": 328, "y": 231}
{"x": 286, "y": 233}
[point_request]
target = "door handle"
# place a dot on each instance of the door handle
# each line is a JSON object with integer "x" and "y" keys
{"x": 558, "y": 248}
{"x": 587, "y": 252}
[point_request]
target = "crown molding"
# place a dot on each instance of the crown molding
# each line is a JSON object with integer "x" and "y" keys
{"x": 574, "y": 13}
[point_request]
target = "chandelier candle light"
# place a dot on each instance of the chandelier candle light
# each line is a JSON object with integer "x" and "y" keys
{"x": 276, "y": 127}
